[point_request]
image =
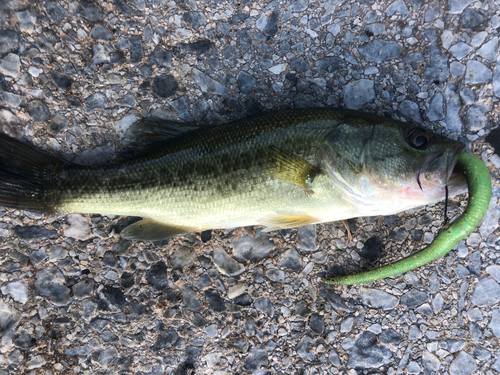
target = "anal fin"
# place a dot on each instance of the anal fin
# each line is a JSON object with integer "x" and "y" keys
{"x": 275, "y": 222}
{"x": 152, "y": 230}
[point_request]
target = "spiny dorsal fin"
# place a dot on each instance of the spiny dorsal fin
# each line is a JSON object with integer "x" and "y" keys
{"x": 291, "y": 168}
{"x": 152, "y": 230}
{"x": 275, "y": 222}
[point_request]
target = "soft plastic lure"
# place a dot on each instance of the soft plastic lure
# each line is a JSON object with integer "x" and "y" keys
{"x": 479, "y": 183}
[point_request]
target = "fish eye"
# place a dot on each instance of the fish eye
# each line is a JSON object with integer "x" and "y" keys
{"x": 418, "y": 138}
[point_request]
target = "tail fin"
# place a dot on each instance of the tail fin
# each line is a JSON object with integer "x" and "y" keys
{"x": 24, "y": 174}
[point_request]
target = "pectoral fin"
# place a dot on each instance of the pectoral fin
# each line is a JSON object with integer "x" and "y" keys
{"x": 275, "y": 222}
{"x": 291, "y": 168}
{"x": 151, "y": 230}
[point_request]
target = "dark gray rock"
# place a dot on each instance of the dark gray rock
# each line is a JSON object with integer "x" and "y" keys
{"x": 304, "y": 349}
{"x": 157, "y": 276}
{"x": 306, "y": 238}
{"x": 300, "y": 65}
{"x": 272, "y": 28}
{"x": 365, "y": 353}
{"x": 95, "y": 101}
{"x": 108, "y": 260}
{"x": 127, "y": 280}
{"x": 435, "y": 111}
{"x": 181, "y": 107}
{"x": 136, "y": 48}
{"x": 252, "y": 248}
{"x": 38, "y": 110}
{"x": 24, "y": 341}
{"x": 275, "y": 275}
{"x": 331, "y": 64}
{"x": 101, "y": 32}
{"x": 437, "y": 70}
{"x": 291, "y": 259}
{"x": 34, "y": 232}
{"x": 49, "y": 283}
{"x": 99, "y": 324}
{"x": 105, "y": 357}
{"x": 38, "y": 256}
{"x": 182, "y": 257}
{"x": 194, "y": 19}
{"x": 128, "y": 100}
{"x": 114, "y": 296}
{"x": 90, "y": 11}
{"x": 160, "y": 57}
{"x": 471, "y": 18}
{"x": 414, "y": 298}
{"x": 265, "y": 306}
{"x": 231, "y": 53}
{"x": 214, "y": 300}
{"x": 55, "y": 11}
{"x": 62, "y": 81}
{"x": 245, "y": 82}
{"x": 476, "y": 118}
{"x": 57, "y": 125}
{"x": 317, "y": 323}
{"x": 256, "y": 359}
{"x": 78, "y": 351}
{"x": 164, "y": 86}
{"x": 166, "y": 339}
{"x": 372, "y": 248}
{"x": 390, "y": 336}
{"x": 243, "y": 40}
{"x": 410, "y": 111}
{"x": 190, "y": 299}
{"x": 225, "y": 264}
{"x": 199, "y": 48}
{"x": 83, "y": 289}
{"x": 9, "y": 41}
{"x": 398, "y": 235}
{"x": 224, "y": 28}
{"x": 240, "y": 345}
{"x": 381, "y": 50}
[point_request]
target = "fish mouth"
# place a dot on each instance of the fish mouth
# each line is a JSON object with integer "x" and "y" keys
{"x": 438, "y": 167}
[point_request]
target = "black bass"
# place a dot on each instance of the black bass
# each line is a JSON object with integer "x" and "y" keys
{"x": 280, "y": 170}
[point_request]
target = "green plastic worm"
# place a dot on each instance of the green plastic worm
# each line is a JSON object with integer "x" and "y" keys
{"x": 479, "y": 184}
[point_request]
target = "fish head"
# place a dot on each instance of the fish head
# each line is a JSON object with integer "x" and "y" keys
{"x": 391, "y": 166}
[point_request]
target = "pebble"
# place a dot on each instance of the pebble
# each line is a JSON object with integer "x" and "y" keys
{"x": 194, "y": 19}
{"x": 83, "y": 289}
{"x": 55, "y": 11}
{"x": 380, "y": 50}
{"x": 190, "y": 299}
{"x": 410, "y": 111}
{"x": 275, "y": 275}
{"x": 460, "y": 50}
{"x": 357, "y": 93}
{"x": 164, "y": 86}
{"x": 17, "y": 289}
{"x": 306, "y": 238}
{"x": 291, "y": 259}
{"x": 477, "y": 72}
{"x": 463, "y": 364}
{"x": 101, "y": 32}
{"x": 161, "y": 58}
{"x": 252, "y": 248}
{"x": 436, "y": 70}
{"x": 208, "y": 84}
{"x": 256, "y": 359}
{"x": 245, "y": 82}
{"x": 471, "y": 18}
{"x": 435, "y": 111}
{"x": 265, "y": 306}
{"x": 95, "y": 101}
{"x": 214, "y": 300}
{"x": 34, "y": 232}
{"x": 453, "y": 106}
{"x": 366, "y": 354}
{"x": 78, "y": 227}
{"x": 378, "y": 299}
{"x": 10, "y": 65}
{"x": 157, "y": 276}
{"x": 50, "y": 283}
{"x": 9, "y": 41}
{"x": 182, "y": 257}
{"x": 39, "y": 111}
{"x": 317, "y": 323}
{"x": 101, "y": 55}
{"x": 486, "y": 292}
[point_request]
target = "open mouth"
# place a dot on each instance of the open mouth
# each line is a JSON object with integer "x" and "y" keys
{"x": 452, "y": 161}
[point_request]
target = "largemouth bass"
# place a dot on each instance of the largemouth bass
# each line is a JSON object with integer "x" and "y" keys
{"x": 280, "y": 170}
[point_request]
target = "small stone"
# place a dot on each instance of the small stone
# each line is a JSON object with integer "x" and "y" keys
{"x": 272, "y": 28}
{"x": 136, "y": 48}
{"x": 182, "y": 257}
{"x": 378, "y": 299}
{"x": 194, "y": 19}
{"x": 306, "y": 238}
{"x": 245, "y": 82}
{"x": 62, "y": 81}
{"x": 10, "y": 65}
{"x": 79, "y": 227}
{"x": 471, "y": 18}
{"x": 476, "y": 118}
{"x": 489, "y": 50}
{"x": 453, "y": 106}
{"x": 190, "y": 299}
{"x": 12, "y": 99}
{"x": 240, "y": 345}
{"x": 225, "y": 264}
{"x": 55, "y": 11}
{"x": 275, "y": 275}
{"x": 83, "y": 289}
{"x": 50, "y": 284}
{"x": 58, "y": 124}
{"x": 211, "y": 331}
{"x": 257, "y": 358}
{"x": 39, "y": 111}
{"x": 265, "y": 306}
{"x": 358, "y": 93}
{"x": 181, "y": 107}
{"x": 430, "y": 361}
{"x": 164, "y": 86}
{"x": 24, "y": 341}
{"x": 291, "y": 259}
{"x": 35, "y": 362}
{"x": 414, "y": 333}
{"x": 128, "y": 100}
{"x": 457, "y": 6}
{"x": 157, "y": 276}
{"x": 105, "y": 357}
{"x": 199, "y": 48}
{"x": 236, "y": 290}
{"x": 17, "y": 289}
{"x": 317, "y": 323}
{"x": 381, "y": 50}
{"x": 243, "y": 40}
{"x": 372, "y": 248}
{"x": 463, "y": 364}
{"x": 460, "y": 50}
{"x": 208, "y": 84}
{"x": 298, "y": 6}
{"x": 486, "y": 292}
{"x": 477, "y": 73}
{"x": 437, "y": 69}
{"x": 397, "y": 7}
{"x": 90, "y": 11}
{"x": 38, "y": 256}
{"x": 95, "y": 101}
{"x": 9, "y": 41}
{"x": 252, "y": 248}
{"x": 304, "y": 349}
{"x": 365, "y": 353}
{"x": 435, "y": 111}
{"x": 34, "y": 232}
{"x": 346, "y": 324}
{"x": 495, "y": 322}
{"x": 414, "y": 298}
{"x": 101, "y": 55}
{"x": 214, "y": 300}
{"x": 390, "y": 336}
{"x": 300, "y": 65}
{"x": 160, "y": 57}
{"x": 166, "y": 339}
{"x": 101, "y": 32}
{"x": 398, "y": 235}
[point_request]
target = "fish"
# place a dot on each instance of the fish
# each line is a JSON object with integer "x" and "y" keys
{"x": 280, "y": 169}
